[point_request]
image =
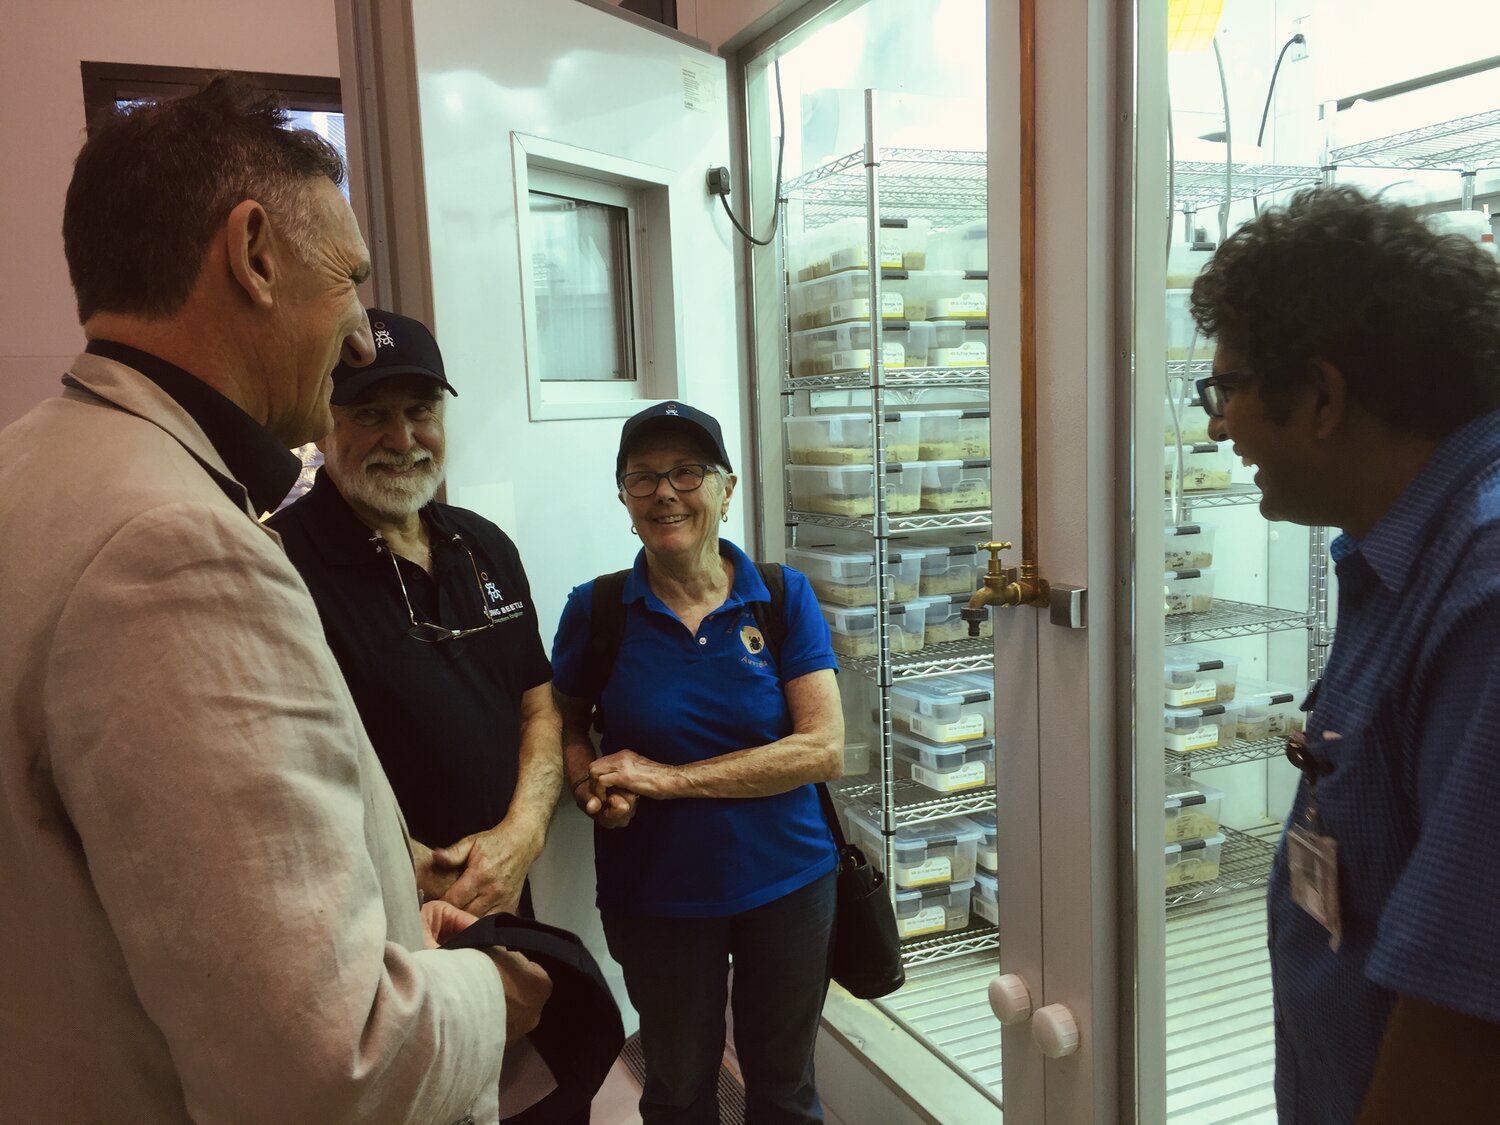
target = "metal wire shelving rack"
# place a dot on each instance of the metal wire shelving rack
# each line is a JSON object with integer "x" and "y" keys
{"x": 1244, "y": 864}
{"x": 947, "y": 188}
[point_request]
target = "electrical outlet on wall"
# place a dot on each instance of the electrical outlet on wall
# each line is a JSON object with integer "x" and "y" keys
{"x": 1299, "y": 50}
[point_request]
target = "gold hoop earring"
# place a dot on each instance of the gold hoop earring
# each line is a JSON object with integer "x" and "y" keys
{"x": 724, "y": 518}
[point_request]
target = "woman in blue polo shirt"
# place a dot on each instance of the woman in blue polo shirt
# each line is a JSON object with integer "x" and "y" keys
{"x": 710, "y": 845}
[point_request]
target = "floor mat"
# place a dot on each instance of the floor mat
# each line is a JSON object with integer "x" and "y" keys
{"x": 731, "y": 1094}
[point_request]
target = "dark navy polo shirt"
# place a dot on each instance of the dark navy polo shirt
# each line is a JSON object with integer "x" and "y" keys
{"x": 444, "y": 716}
{"x": 678, "y": 697}
{"x": 1407, "y": 722}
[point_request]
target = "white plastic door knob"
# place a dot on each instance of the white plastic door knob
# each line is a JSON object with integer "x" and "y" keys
{"x": 1010, "y": 999}
{"x": 1055, "y": 1031}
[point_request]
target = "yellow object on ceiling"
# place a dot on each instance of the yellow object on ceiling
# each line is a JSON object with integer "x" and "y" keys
{"x": 1191, "y": 24}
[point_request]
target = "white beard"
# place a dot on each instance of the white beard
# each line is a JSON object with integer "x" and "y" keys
{"x": 392, "y": 497}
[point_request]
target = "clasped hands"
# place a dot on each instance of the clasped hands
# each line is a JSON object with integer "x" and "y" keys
{"x": 608, "y": 792}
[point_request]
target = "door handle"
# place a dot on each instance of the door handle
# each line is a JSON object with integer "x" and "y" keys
{"x": 1010, "y": 999}
{"x": 1055, "y": 1031}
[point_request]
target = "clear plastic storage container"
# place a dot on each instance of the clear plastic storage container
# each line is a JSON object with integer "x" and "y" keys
{"x": 849, "y": 490}
{"x": 926, "y": 855}
{"x": 1190, "y": 546}
{"x": 950, "y": 570}
{"x": 841, "y": 297}
{"x": 957, "y": 295}
{"x": 911, "y": 285}
{"x": 845, "y": 577}
{"x": 933, "y": 910}
{"x": 1200, "y": 728}
{"x": 963, "y": 247}
{"x": 915, "y": 338}
{"x": 1192, "y": 808}
{"x": 1199, "y": 675}
{"x": 945, "y": 619}
{"x": 844, "y": 245}
{"x": 948, "y": 435}
{"x": 1268, "y": 711}
{"x": 1194, "y": 861}
{"x": 944, "y": 709}
{"x": 1189, "y": 591}
{"x": 849, "y": 439}
{"x": 854, "y": 629}
{"x": 950, "y": 767}
{"x": 1191, "y": 427}
{"x": 1206, "y": 466}
{"x": 841, "y": 347}
{"x": 856, "y": 754}
{"x": 987, "y": 857}
{"x": 986, "y": 898}
{"x": 967, "y": 345}
{"x": 955, "y": 486}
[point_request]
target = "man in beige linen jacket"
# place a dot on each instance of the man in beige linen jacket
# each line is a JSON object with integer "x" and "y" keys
{"x": 211, "y": 912}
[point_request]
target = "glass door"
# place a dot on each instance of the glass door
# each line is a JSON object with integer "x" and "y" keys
{"x": 1241, "y": 103}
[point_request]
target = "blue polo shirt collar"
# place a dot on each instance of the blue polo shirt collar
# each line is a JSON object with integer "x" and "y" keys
{"x": 1392, "y": 548}
{"x": 748, "y": 585}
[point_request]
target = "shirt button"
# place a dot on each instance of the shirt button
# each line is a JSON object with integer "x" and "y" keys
{"x": 703, "y": 640}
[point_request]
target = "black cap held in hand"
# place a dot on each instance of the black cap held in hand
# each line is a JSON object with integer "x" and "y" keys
{"x": 672, "y": 416}
{"x": 403, "y": 346}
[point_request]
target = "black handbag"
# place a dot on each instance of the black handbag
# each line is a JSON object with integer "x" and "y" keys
{"x": 866, "y": 955}
{"x": 580, "y": 1033}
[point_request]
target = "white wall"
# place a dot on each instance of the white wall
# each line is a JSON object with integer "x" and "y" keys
{"x": 42, "y": 123}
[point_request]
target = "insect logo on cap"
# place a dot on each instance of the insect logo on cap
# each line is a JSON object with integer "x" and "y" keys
{"x": 383, "y": 337}
{"x": 671, "y": 408}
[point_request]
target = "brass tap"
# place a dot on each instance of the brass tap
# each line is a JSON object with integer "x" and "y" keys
{"x": 1003, "y": 587}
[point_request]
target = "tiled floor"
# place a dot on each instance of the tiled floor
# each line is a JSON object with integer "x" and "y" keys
{"x": 615, "y": 1103}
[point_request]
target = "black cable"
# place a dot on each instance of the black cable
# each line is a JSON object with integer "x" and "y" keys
{"x": 1271, "y": 89}
{"x": 780, "y": 151}
{"x": 1265, "y": 112}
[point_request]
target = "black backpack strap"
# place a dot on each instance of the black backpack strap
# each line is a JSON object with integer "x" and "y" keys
{"x": 606, "y": 631}
{"x": 770, "y": 618}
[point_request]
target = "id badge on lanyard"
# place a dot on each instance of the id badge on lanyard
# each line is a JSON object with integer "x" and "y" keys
{"x": 1312, "y": 856}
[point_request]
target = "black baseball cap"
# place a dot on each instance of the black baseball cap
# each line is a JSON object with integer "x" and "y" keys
{"x": 403, "y": 346}
{"x": 672, "y": 416}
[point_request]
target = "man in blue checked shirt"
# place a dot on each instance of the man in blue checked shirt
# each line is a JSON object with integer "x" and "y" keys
{"x": 1358, "y": 369}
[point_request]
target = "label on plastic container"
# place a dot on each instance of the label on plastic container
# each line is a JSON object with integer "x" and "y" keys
{"x": 969, "y": 726}
{"x": 938, "y": 870}
{"x": 964, "y": 305}
{"x": 855, "y": 359}
{"x": 970, "y": 354}
{"x": 1199, "y": 691}
{"x": 971, "y": 775}
{"x": 1183, "y": 741}
{"x": 988, "y": 858}
{"x": 929, "y": 920}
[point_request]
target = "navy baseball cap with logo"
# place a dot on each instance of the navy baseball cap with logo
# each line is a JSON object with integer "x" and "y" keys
{"x": 672, "y": 416}
{"x": 403, "y": 346}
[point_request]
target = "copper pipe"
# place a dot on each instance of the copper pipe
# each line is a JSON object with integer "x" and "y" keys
{"x": 1011, "y": 586}
{"x": 1030, "y": 565}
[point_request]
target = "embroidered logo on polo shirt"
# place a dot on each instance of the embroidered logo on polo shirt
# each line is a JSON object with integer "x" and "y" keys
{"x": 750, "y": 637}
{"x": 493, "y": 597}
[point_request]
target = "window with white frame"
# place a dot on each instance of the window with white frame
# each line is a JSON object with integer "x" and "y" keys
{"x": 597, "y": 290}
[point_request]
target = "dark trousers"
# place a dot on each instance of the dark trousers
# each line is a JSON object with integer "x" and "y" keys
{"x": 676, "y": 972}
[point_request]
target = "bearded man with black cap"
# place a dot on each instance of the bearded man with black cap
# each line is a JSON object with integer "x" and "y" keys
{"x": 427, "y": 609}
